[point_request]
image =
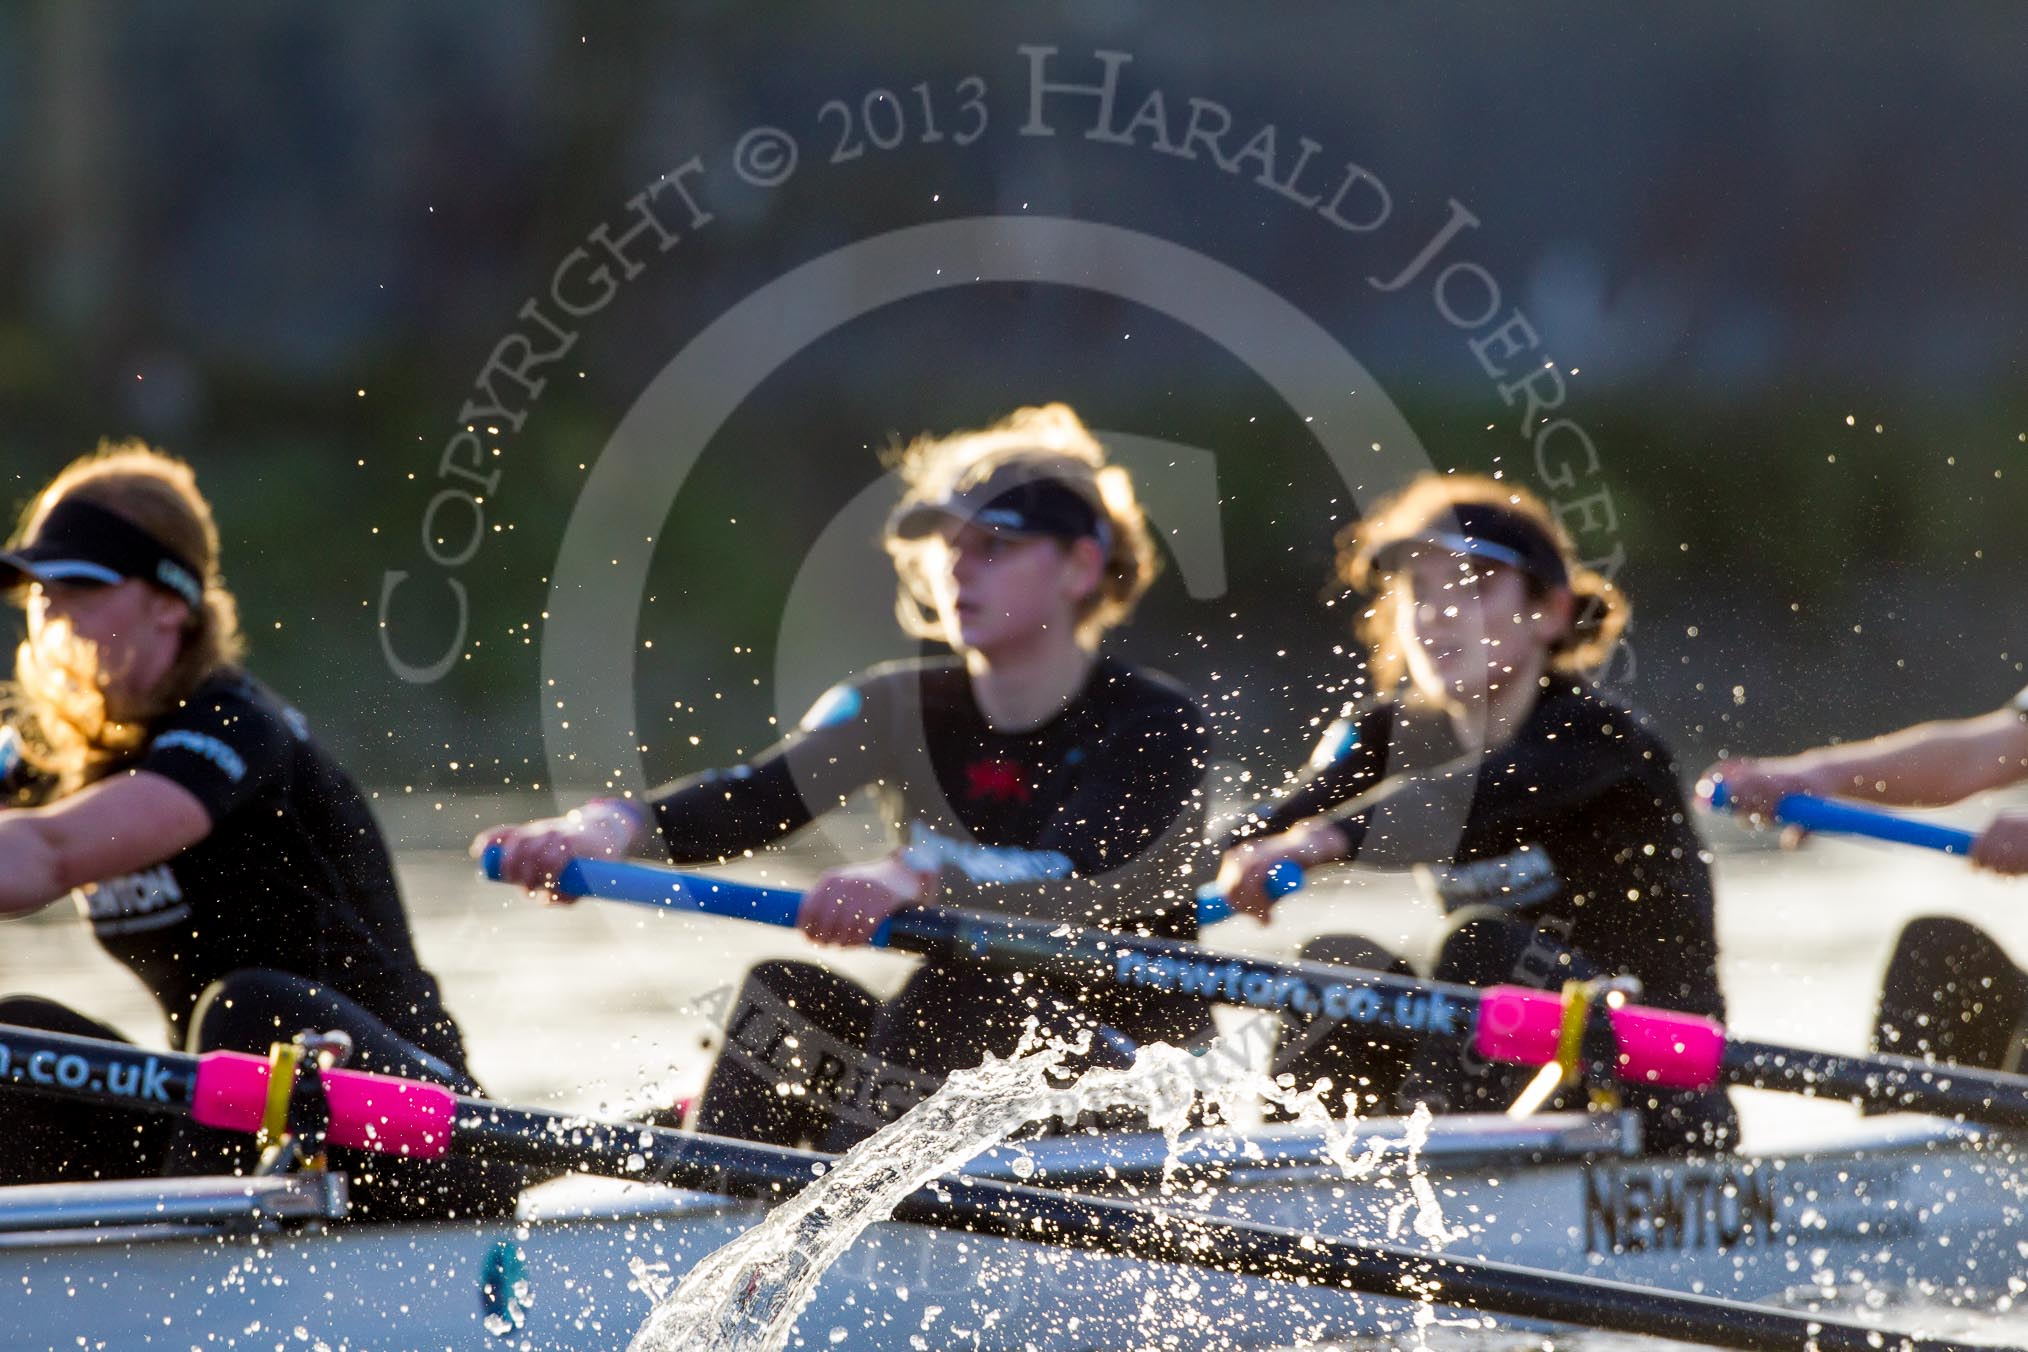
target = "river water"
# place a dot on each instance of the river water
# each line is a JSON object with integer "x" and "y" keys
{"x": 599, "y": 1007}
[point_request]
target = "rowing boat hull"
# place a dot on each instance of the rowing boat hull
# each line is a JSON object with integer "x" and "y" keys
{"x": 1895, "y": 1204}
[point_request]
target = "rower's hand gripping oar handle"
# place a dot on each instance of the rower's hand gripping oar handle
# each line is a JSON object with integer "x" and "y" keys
{"x": 619, "y": 880}
{"x": 1833, "y": 816}
{"x": 1283, "y": 879}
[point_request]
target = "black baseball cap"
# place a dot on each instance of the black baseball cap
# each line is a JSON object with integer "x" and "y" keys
{"x": 81, "y": 541}
{"x": 1015, "y": 499}
{"x": 1485, "y": 531}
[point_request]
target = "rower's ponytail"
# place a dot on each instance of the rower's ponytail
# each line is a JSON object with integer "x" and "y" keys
{"x": 1601, "y": 617}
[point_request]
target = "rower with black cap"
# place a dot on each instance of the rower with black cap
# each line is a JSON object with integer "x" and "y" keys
{"x": 217, "y": 849}
{"x": 1027, "y": 773}
{"x": 1950, "y": 991}
{"x": 1546, "y": 818}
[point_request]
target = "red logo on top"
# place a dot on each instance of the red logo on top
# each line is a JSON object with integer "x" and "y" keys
{"x": 998, "y": 781}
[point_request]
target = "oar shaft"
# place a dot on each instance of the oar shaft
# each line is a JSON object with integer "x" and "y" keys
{"x": 1898, "y": 1082}
{"x": 224, "y": 1089}
{"x": 1832, "y": 816}
{"x": 1378, "y": 1000}
{"x": 94, "y": 1071}
{"x": 1658, "y": 1048}
{"x": 618, "y": 880}
{"x": 1835, "y": 816}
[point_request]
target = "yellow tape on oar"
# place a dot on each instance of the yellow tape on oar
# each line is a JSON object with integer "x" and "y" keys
{"x": 1579, "y": 998}
{"x": 283, "y": 1058}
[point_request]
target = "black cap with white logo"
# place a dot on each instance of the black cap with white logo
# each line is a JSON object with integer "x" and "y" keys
{"x": 1482, "y": 531}
{"x": 1016, "y": 499}
{"x": 83, "y": 542}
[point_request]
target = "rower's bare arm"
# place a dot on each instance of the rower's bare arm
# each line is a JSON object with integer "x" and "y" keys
{"x": 117, "y": 826}
{"x": 1928, "y": 765}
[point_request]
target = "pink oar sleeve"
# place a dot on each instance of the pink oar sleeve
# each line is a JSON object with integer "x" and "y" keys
{"x": 368, "y": 1112}
{"x": 1657, "y": 1047}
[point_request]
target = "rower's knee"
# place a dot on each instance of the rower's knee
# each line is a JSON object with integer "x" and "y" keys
{"x": 34, "y": 1011}
{"x": 793, "y": 1052}
{"x": 1951, "y": 992}
{"x": 1946, "y": 944}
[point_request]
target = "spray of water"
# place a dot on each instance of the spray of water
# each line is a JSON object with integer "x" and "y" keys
{"x": 745, "y": 1297}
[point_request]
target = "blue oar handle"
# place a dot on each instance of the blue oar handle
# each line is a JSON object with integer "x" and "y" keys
{"x": 1282, "y": 879}
{"x": 646, "y": 885}
{"x": 1835, "y": 817}
{"x": 618, "y": 880}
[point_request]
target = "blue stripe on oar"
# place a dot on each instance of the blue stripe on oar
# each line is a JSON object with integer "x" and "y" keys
{"x": 619, "y": 880}
{"x": 1832, "y": 816}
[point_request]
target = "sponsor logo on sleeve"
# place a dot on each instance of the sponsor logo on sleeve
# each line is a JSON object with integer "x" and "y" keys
{"x": 203, "y": 744}
{"x": 931, "y": 852}
{"x": 839, "y": 704}
{"x": 1336, "y": 743}
{"x": 1512, "y": 882}
{"x": 135, "y": 903}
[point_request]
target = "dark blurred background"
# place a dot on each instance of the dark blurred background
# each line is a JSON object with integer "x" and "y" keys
{"x": 1778, "y": 254}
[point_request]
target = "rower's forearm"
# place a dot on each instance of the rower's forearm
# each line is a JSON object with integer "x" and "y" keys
{"x": 30, "y": 864}
{"x": 1929, "y": 765}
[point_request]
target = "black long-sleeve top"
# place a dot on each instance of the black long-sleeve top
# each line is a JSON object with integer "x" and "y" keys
{"x": 1094, "y": 817}
{"x": 1580, "y": 820}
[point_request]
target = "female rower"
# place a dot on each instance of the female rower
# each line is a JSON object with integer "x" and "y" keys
{"x": 219, "y": 852}
{"x": 1951, "y": 992}
{"x": 1027, "y": 773}
{"x": 1545, "y": 817}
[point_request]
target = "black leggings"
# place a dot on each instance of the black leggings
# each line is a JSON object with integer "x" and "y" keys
{"x": 1388, "y": 1070}
{"x": 51, "y": 1140}
{"x": 810, "y": 1058}
{"x": 1952, "y": 993}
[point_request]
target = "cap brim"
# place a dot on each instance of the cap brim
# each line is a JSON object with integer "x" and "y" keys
{"x": 1391, "y": 557}
{"x": 924, "y": 519}
{"x": 23, "y": 566}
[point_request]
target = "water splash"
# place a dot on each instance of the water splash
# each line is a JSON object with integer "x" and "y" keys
{"x": 746, "y": 1296}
